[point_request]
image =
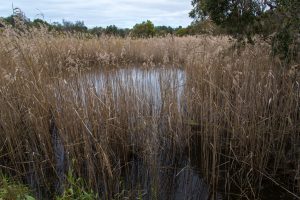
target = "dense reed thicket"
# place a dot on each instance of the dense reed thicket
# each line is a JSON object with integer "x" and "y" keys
{"x": 234, "y": 118}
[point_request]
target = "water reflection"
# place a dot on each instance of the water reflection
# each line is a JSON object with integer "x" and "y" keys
{"x": 149, "y": 86}
{"x": 166, "y": 173}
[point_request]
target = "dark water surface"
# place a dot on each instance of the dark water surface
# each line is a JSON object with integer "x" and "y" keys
{"x": 165, "y": 174}
{"x": 175, "y": 177}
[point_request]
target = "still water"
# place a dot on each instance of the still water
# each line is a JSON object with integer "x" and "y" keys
{"x": 175, "y": 176}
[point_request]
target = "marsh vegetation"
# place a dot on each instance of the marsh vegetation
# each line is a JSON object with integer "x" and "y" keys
{"x": 156, "y": 118}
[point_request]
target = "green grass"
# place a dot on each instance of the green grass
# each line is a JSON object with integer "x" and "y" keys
{"x": 11, "y": 190}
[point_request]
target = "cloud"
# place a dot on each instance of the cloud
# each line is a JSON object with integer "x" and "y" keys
{"x": 123, "y": 13}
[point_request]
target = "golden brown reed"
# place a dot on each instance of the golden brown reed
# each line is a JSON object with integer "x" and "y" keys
{"x": 238, "y": 121}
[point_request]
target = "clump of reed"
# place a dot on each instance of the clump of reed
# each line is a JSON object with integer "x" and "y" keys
{"x": 247, "y": 110}
{"x": 237, "y": 120}
{"x": 66, "y": 51}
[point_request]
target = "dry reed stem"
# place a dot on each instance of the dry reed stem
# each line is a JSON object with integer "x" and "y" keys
{"x": 237, "y": 120}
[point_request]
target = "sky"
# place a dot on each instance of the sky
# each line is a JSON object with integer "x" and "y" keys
{"x": 122, "y": 13}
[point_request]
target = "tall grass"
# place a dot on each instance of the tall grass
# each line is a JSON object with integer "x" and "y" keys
{"x": 237, "y": 121}
{"x": 247, "y": 109}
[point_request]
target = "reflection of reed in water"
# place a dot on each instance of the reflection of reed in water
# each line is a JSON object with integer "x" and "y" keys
{"x": 59, "y": 156}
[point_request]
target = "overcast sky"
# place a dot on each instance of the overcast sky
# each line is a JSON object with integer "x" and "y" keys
{"x": 122, "y": 13}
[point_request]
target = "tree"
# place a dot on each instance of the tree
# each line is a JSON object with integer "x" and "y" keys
{"x": 18, "y": 17}
{"x": 245, "y": 18}
{"x": 205, "y": 26}
{"x": 182, "y": 32}
{"x": 111, "y": 30}
{"x": 238, "y": 17}
{"x": 144, "y": 30}
{"x": 97, "y": 31}
{"x": 78, "y": 26}
{"x": 164, "y": 30}
{"x": 41, "y": 23}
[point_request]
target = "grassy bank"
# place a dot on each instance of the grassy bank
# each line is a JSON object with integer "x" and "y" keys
{"x": 237, "y": 122}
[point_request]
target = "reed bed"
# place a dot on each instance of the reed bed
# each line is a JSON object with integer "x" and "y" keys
{"x": 231, "y": 115}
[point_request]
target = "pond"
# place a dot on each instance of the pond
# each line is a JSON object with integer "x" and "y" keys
{"x": 146, "y": 93}
{"x": 148, "y": 85}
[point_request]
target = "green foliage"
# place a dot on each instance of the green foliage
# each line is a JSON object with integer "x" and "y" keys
{"x": 182, "y": 32}
{"x": 278, "y": 19}
{"x": 97, "y": 31}
{"x": 204, "y": 27}
{"x": 8, "y": 20}
{"x": 200, "y": 27}
{"x": 144, "y": 30}
{"x": 164, "y": 30}
{"x": 286, "y": 41}
{"x": 18, "y": 17}
{"x": 76, "y": 189}
{"x": 236, "y": 16}
{"x": 40, "y": 22}
{"x": 13, "y": 191}
{"x": 286, "y": 44}
{"x": 78, "y": 26}
{"x": 113, "y": 30}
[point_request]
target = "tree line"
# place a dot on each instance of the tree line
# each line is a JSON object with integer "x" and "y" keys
{"x": 144, "y": 29}
{"x": 276, "y": 21}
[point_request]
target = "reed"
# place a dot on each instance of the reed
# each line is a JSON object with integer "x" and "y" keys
{"x": 78, "y": 102}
